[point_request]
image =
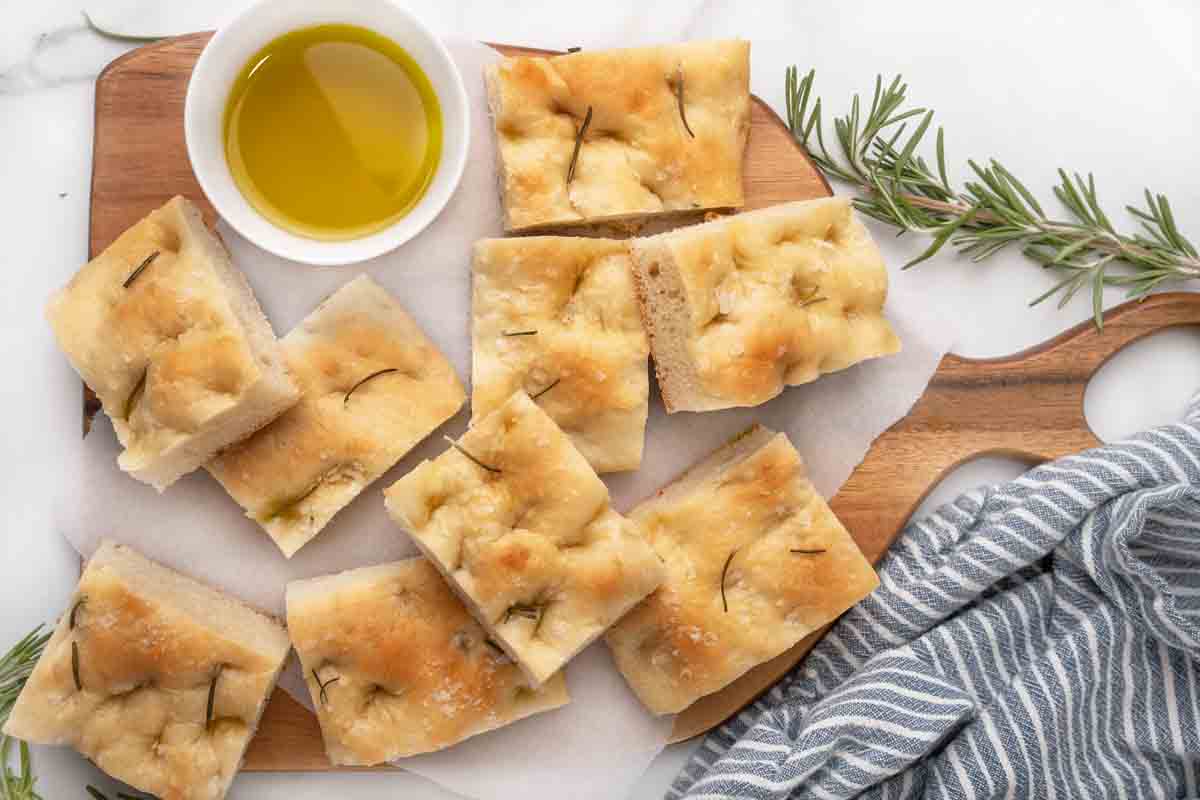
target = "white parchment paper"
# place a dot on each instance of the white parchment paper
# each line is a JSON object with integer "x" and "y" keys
{"x": 599, "y": 745}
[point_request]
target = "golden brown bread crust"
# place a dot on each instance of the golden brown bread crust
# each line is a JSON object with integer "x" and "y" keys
{"x": 178, "y": 353}
{"x": 295, "y": 474}
{"x": 556, "y": 311}
{"x": 637, "y": 158}
{"x": 147, "y": 665}
{"x": 739, "y": 308}
{"x": 404, "y": 668}
{"x": 526, "y": 536}
{"x": 750, "y": 501}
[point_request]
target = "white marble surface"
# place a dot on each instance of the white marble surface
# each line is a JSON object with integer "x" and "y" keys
{"x": 1109, "y": 87}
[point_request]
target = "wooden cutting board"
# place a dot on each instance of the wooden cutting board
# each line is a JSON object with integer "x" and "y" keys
{"x": 1028, "y": 405}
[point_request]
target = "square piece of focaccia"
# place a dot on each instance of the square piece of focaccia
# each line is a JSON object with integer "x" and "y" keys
{"x": 158, "y": 679}
{"x": 555, "y": 316}
{"x": 660, "y": 130}
{"x": 170, "y": 337}
{"x": 396, "y": 666}
{"x": 521, "y": 526}
{"x": 755, "y": 562}
{"x": 373, "y": 387}
{"x": 739, "y": 308}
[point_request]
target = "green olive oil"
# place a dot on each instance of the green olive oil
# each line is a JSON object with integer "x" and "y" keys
{"x": 333, "y": 132}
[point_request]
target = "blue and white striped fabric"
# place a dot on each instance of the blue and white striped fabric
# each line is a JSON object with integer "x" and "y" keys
{"x": 1034, "y": 640}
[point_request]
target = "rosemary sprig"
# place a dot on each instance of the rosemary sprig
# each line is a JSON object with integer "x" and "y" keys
{"x": 679, "y": 100}
{"x": 17, "y": 785}
{"x": 478, "y": 463}
{"x": 992, "y": 212}
{"x": 323, "y": 696}
{"x": 587, "y": 120}
{"x": 212, "y": 695}
{"x": 15, "y": 668}
{"x": 147, "y": 261}
{"x": 553, "y": 383}
{"x": 370, "y": 377}
{"x": 724, "y": 572}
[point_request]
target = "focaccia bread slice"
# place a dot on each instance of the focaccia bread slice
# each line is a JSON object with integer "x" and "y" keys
{"x": 755, "y": 562}
{"x": 373, "y": 387}
{"x": 555, "y": 316}
{"x": 158, "y": 679}
{"x": 739, "y": 308}
{"x": 396, "y": 666}
{"x": 521, "y": 526}
{"x": 170, "y": 337}
{"x": 666, "y": 132}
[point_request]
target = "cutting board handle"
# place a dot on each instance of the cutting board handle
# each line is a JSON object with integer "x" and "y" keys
{"x": 1028, "y": 405}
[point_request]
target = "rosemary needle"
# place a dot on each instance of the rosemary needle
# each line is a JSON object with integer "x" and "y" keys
{"x": 147, "y": 261}
{"x": 531, "y": 332}
{"x": 803, "y": 551}
{"x": 74, "y": 616}
{"x": 679, "y": 99}
{"x": 75, "y": 666}
{"x": 477, "y": 462}
{"x": 212, "y": 695}
{"x": 587, "y": 120}
{"x": 372, "y": 376}
{"x": 553, "y": 383}
{"x": 324, "y": 697}
{"x": 724, "y": 572}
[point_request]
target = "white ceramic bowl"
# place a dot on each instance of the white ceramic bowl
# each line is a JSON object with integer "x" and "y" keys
{"x": 223, "y": 59}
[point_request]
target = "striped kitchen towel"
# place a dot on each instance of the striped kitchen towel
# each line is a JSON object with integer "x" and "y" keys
{"x": 1038, "y": 639}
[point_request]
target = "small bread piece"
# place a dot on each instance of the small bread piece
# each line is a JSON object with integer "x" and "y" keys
{"x": 396, "y": 666}
{"x": 739, "y": 308}
{"x": 755, "y": 562}
{"x": 158, "y": 679}
{"x": 349, "y": 427}
{"x": 169, "y": 336}
{"x": 666, "y": 134}
{"x": 555, "y": 316}
{"x": 522, "y": 528}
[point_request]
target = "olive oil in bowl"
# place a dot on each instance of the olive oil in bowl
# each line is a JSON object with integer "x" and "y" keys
{"x": 332, "y": 132}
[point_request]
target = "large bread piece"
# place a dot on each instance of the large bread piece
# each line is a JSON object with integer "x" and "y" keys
{"x": 156, "y": 678}
{"x": 373, "y": 387}
{"x": 666, "y": 133}
{"x": 555, "y": 316}
{"x": 396, "y": 666}
{"x": 755, "y": 562}
{"x": 522, "y": 528}
{"x": 738, "y": 308}
{"x": 170, "y": 337}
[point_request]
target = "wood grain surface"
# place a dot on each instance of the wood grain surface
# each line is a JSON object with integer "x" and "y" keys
{"x": 1029, "y": 404}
